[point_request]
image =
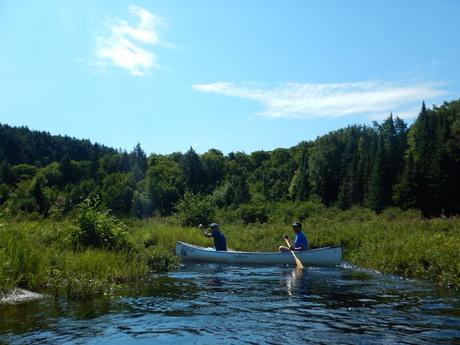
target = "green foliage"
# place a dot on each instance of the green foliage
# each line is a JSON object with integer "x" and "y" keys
{"x": 4, "y": 192}
{"x": 23, "y": 172}
{"x": 386, "y": 165}
{"x": 299, "y": 189}
{"x": 139, "y": 163}
{"x": 117, "y": 193}
{"x": 214, "y": 168}
{"x": 432, "y": 161}
{"x": 194, "y": 209}
{"x": 22, "y": 261}
{"x": 66, "y": 169}
{"x": 194, "y": 173}
{"x": 160, "y": 259}
{"x": 40, "y": 256}
{"x": 96, "y": 227}
{"x": 253, "y": 213}
{"x": 164, "y": 183}
{"x": 141, "y": 205}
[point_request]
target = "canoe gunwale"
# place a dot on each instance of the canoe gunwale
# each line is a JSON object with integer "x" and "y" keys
{"x": 242, "y": 252}
{"x": 326, "y": 256}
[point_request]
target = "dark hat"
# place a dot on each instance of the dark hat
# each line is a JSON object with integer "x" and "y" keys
{"x": 296, "y": 225}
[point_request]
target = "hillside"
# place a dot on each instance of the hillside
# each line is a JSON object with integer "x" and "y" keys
{"x": 386, "y": 165}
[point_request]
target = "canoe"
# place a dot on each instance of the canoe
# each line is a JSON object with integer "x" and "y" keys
{"x": 327, "y": 256}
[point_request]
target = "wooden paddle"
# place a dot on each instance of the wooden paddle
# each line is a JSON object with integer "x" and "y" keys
{"x": 297, "y": 261}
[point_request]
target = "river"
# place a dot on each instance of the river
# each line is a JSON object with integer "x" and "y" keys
{"x": 219, "y": 304}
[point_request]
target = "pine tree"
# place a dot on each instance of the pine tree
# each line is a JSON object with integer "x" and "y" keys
{"x": 375, "y": 196}
{"x": 66, "y": 170}
{"x": 36, "y": 192}
{"x": 299, "y": 188}
{"x": 193, "y": 171}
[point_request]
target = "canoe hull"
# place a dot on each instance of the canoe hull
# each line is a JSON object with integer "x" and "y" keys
{"x": 329, "y": 256}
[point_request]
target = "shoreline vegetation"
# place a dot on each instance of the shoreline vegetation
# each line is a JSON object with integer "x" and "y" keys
{"x": 357, "y": 186}
{"x": 49, "y": 256}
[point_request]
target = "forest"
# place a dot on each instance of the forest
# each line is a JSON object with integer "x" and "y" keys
{"x": 388, "y": 164}
{"x": 79, "y": 219}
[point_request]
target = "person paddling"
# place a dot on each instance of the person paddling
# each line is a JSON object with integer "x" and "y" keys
{"x": 300, "y": 241}
{"x": 219, "y": 239}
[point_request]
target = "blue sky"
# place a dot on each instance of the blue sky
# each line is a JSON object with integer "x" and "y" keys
{"x": 233, "y": 75}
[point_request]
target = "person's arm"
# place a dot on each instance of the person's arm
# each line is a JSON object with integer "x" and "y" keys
{"x": 291, "y": 247}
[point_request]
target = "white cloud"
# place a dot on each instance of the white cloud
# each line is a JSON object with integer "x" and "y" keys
{"x": 371, "y": 98}
{"x": 129, "y": 46}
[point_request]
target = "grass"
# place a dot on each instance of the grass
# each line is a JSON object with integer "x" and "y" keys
{"x": 39, "y": 255}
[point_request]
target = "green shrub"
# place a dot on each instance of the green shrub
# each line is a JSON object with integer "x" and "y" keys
{"x": 253, "y": 213}
{"x": 194, "y": 209}
{"x": 96, "y": 227}
{"x": 160, "y": 259}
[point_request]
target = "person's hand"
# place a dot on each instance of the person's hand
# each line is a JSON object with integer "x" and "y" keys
{"x": 285, "y": 237}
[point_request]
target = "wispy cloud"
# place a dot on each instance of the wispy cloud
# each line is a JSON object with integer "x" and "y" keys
{"x": 129, "y": 46}
{"x": 370, "y": 98}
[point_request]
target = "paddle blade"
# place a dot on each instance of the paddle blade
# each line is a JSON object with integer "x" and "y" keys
{"x": 297, "y": 261}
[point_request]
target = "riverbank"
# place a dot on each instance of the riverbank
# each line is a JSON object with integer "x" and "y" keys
{"x": 38, "y": 255}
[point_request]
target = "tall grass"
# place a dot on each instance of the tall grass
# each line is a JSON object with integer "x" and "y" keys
{"x": 40, "y": 255}
{"x": 394, "y": 242}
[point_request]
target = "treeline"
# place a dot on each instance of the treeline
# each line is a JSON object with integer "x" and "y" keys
{"x": 21, "y": 145}
{"x": 379, "y": 166}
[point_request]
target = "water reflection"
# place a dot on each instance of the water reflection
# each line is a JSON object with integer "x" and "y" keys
{"x": 295, "y": 283}
{"x": 232, "y": 304}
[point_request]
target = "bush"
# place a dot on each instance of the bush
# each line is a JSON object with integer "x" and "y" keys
{"x": 4, "y": 192}
{"x": 160, "y": 259}
{"x": 194, "y": 209}
{"x": 253, "y": 213}
{"x": 96, "y": 227}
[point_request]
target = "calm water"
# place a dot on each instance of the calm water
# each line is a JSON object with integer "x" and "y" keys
{"x": 254, "y": 305}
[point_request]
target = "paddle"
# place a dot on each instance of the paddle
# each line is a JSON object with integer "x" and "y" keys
{"x": 297, "y": 261}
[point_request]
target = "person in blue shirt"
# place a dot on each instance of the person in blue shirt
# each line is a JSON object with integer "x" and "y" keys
{"x": 219, "y": 239}
{"x": 300, "y": 241}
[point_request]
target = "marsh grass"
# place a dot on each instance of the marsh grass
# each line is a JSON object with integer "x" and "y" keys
{"x": 39, "y": 255}
{"x": 393, "y": 242}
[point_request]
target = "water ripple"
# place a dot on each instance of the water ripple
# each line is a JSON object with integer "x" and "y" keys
{"x": 247, "y": 305}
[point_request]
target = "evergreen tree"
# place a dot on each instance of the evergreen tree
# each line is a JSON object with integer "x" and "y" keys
{"x": 376, "y": 197}
{"x": 36, "y": 192}
{"x": 194, "y": 173}
{"x": 94, "y": 162}
{"x": 299, "y": 188}
{"x": 139, "y": 166}
{"x": 66, "y": 170}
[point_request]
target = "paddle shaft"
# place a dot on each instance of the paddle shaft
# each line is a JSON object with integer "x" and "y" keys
{"x": 297, "y": 261}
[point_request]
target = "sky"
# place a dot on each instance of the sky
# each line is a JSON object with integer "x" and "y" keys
{"x": 232, "y": 75}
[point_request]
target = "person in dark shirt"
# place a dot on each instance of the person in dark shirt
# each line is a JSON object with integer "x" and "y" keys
{"x": 300, "y": 241}
{"x": 219, "y": 239}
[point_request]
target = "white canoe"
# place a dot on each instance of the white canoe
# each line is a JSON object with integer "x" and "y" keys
{"x": 328, "y": 256}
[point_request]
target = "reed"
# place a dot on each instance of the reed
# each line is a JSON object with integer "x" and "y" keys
{"x": 40, "y": 255}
